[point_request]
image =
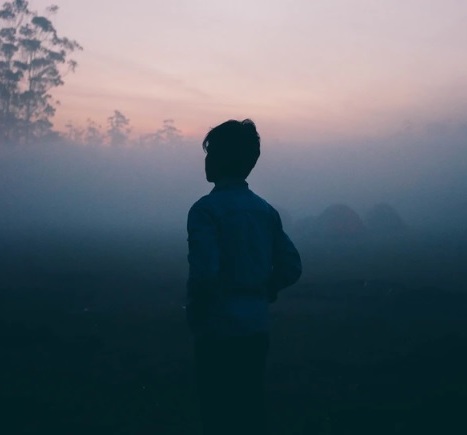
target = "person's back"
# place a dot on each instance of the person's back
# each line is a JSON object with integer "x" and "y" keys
{"x": 239, "y": 259}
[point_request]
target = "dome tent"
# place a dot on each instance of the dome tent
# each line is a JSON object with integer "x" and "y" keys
{"x": 340, "y": 221}
{"x": 383, "y": 219}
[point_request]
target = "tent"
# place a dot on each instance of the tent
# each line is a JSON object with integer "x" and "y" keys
{"x": 384, "y": 219}
{"x": 340, "y": 221}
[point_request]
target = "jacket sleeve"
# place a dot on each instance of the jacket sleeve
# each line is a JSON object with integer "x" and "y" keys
{"x": 287, "y": 265}
{"x": 203, "y": 254}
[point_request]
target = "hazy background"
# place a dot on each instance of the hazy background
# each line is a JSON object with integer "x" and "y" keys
{"x": 305, "y": 71}
{"x": 70, "y": 187}
{"x": 357, "y": 102}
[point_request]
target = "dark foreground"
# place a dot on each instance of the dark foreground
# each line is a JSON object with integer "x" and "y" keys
{"x": 372, "y": 341}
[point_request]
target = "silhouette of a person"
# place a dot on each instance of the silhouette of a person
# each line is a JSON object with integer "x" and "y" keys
{"x": 239, "y": 259}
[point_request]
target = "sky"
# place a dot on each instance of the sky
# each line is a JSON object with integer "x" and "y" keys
{"x": 357, "y": 102}
{"x": 304, "y": 71}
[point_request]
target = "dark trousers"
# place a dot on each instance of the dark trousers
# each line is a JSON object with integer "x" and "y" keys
{"x": 230, "y": 379}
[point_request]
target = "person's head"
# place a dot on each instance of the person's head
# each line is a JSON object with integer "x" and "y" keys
{"x": 232, "y": 149}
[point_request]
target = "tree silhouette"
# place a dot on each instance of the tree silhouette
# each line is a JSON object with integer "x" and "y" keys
{"x": 74, "y": 133}
{"x": 33, "y": 60}
{"x": 93, "y": 134}
{"x": 168, "y": 134}
{"x": 118, "y": 128}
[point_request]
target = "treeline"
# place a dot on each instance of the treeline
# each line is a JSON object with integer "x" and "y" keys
{"x": 118, "y": 133}
{"x": 34, "y": 59}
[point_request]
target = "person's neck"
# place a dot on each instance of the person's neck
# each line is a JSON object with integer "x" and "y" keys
{"x": 230, "y": 181}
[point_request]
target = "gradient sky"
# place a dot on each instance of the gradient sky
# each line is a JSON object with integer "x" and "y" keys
{"x": 322, "y": 69}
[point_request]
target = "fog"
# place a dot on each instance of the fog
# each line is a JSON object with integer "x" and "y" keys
{"x": 93, "y": 266}
{"x": 361, "y": 108}
{"x": 70, "y": 188}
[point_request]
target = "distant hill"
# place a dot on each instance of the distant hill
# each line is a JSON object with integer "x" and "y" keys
{"x": 383, "y": 219}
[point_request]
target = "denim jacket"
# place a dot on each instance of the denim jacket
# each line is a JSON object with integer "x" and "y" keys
{"x": 239, "y": 258}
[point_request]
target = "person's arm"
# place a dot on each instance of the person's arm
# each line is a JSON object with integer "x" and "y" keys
{"x": 203, "y": 254}
{"x": 287, "y": 265}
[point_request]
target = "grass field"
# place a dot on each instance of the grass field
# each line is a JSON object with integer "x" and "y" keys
{"x": 93, "y": 337}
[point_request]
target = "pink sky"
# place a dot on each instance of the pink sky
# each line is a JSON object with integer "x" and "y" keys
{"x": 301, "y": 69}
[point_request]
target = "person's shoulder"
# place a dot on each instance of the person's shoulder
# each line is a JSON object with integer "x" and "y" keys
{"x": 260, "y": 200}
{"x": 202, "y": 203}
{"x": 198, "y": 213}
{"x": 264, "y": 203}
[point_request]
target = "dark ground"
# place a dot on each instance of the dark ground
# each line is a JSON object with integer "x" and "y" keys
{"x": 373, "y": 340}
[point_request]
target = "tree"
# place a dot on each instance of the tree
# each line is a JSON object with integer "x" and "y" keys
{"x": 73, "y": 133}
{"x": 118, "y": 128}
{"x": 90, "y": 135}
{"x": 93, "y": 134}
{"x": 168, "y": 134}
{"x": 33, "y": 60}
